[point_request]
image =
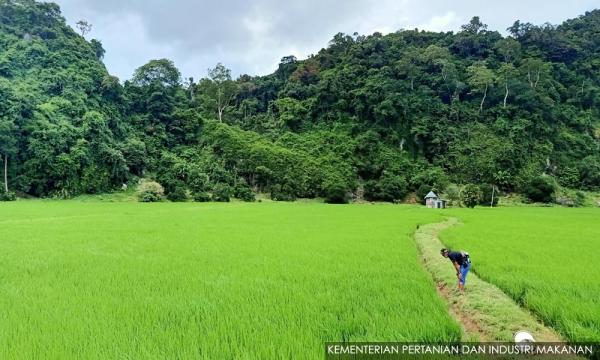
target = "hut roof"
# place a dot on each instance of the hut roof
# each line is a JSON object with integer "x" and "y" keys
{"x": 431, "y": 195}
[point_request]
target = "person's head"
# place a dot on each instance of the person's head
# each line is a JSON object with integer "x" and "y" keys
{"x": 444, "y": 252}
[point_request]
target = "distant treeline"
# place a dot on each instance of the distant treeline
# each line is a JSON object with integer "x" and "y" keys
{"x": 378, "y": 116}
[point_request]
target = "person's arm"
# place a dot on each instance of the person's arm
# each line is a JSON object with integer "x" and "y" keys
{"x": 457, "y": 267}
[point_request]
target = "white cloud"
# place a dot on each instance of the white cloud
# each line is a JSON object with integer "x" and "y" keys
{"x": 448, "y": 21}
{"x": 121, "y": 36}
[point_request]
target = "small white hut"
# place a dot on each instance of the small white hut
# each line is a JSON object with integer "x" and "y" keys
{"x": 434, "y": 202}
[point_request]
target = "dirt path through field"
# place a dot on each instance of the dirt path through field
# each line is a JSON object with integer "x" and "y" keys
{"x": 484, "y": 311}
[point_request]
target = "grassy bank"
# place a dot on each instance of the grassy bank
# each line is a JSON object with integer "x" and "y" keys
{"x": 485, "y": 312}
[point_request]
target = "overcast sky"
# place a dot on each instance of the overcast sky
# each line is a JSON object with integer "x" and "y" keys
{"x": 251, "y": 36}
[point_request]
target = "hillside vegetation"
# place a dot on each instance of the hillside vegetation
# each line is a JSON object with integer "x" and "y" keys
{"x": 377, "y": 116}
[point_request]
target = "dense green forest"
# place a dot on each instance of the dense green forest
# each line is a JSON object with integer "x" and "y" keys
{"x": 378, "y": 117}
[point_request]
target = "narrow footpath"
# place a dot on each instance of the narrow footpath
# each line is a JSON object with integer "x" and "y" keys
{"x": 484, "y": 311}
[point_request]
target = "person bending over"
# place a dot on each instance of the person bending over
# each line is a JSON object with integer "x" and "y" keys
{"x": 462, "y": 264}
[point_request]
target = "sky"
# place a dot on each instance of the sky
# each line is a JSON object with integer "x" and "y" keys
{"x": 251, "y": 36}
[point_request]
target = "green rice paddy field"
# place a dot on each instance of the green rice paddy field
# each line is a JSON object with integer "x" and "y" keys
{"x": 218, "y": 281}
{"x": 100, "y": 280}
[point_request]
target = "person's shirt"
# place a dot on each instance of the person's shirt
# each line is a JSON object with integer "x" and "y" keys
{"x": 457, "y": 257}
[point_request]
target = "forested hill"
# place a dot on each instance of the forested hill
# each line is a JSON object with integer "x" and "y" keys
{"x": 378, "y": 116}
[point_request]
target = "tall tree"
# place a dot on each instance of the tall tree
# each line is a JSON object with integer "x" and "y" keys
{"x": 475, "y": 26}
{"x": 8, "y": 145}
{"x": 535, "y": 70}
{"x": 158, "y": 72}
{"x": 84, "y": 27}
{"x": 482, "y": 78}
{"x": 221, "y": 88}
{"x": 506, "y": 73}
{"x": 509, "y": 49}
{"x": 408, "y": 66}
